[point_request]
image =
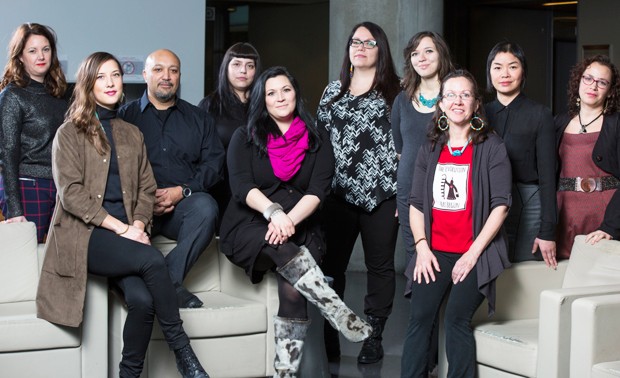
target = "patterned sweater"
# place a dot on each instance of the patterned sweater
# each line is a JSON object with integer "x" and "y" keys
{"x": 360, "y": 133}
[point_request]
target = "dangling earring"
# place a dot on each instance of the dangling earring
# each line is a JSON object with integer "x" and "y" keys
{"x": 478, "y": 119}
{"x": 122, "y": 99}
{"x": 351, "y": 71}
{"x": 442, "y": 122}
{"x": 578, "y": 103}
{"x": 605, "y": 107}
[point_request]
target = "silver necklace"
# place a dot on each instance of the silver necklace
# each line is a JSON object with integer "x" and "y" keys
{"x": 458, "y": 152}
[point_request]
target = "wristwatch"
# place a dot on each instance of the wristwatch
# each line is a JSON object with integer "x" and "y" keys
{"x": 187, "y": 191}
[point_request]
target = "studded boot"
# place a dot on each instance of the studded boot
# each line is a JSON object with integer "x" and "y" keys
{"x": 289, "y": 335}
{"x": 372, "y": 350}
{"x": 188, "y": 364}
{"x": 305, "y": 276}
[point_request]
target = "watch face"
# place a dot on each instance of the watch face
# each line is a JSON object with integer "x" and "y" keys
{"x": 187, "y": 192}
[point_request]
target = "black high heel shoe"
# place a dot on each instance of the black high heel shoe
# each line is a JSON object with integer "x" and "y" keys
{"x": 188, "y": 364}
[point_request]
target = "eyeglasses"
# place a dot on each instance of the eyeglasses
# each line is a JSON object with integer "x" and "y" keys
{"x": 369, "y": 44}
{"x": 451, "y": 97}
{"x": 601, "y": 83}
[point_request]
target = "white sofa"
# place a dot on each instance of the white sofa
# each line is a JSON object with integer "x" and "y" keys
{"x": 596, "y": 337}
{"x": 529, "y": 336}
{"x": 232, "y": 334}
{"x": 31, "y": 347}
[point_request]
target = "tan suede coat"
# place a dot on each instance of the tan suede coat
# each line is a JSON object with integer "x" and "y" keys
{"x": 80, "y": 174}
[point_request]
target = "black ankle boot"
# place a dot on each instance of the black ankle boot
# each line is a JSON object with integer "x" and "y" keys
{"x": 188, "y": 364}
{"x": 185, "y": 299}
{"x": 372, "y": 350}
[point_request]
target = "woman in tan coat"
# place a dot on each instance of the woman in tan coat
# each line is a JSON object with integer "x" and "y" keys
{"x": 105, "y": 194}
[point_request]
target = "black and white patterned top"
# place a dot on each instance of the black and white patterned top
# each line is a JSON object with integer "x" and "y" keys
{"x": 360, "y": 133}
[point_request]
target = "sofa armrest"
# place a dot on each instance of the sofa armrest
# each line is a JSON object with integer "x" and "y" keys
{"x": 95, "y": 329}
{"x": 554, "y": 333}
{"x": 595, "y": 333}
{"x": 518, "y": 290}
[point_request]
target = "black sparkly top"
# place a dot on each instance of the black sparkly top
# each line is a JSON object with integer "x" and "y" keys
{"x": 29, "y": 118}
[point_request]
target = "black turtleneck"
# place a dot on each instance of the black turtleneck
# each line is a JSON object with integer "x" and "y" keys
{"x": 113, "y": 198}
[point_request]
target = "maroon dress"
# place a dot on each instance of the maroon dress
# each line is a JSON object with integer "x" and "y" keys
{"x": 579, "y": 213}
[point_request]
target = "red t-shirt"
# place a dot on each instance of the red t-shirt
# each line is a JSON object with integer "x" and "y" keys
{"x": 452, "y": 227}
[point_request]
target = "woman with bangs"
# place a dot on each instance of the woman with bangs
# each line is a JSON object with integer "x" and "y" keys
{"x": 460, "y": 196}
{"x": 228, "y": 104}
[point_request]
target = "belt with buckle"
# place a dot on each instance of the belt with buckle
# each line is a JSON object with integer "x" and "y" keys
{"x": 588, "y": 184}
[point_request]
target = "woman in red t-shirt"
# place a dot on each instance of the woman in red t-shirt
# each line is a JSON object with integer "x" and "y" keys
{"x": 460, "y": 196}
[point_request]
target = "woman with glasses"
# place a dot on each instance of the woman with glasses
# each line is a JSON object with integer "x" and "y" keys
{"x": 32, "y": 107}
{"x": 355, "y": 110}
{"x": 528, "y": 132}
{"x": 460, "y": 196}
{"x": 228, "y": 104}
{"x": 589, "y": 155}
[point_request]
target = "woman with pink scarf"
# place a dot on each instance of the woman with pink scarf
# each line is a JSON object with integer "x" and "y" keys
{"x": 281, "y": 169}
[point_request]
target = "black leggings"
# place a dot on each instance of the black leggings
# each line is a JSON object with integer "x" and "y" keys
{"x": 141, "y": 273}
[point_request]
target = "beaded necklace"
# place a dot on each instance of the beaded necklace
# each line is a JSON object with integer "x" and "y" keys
{"x": 458, "y": 152}
{"x": 429, "y": 103}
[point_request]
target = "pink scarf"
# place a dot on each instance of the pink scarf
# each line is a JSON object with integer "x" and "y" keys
{"x": 287, "y": 152}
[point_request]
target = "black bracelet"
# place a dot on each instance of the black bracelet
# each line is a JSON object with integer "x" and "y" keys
{"x": 419, "y": 240}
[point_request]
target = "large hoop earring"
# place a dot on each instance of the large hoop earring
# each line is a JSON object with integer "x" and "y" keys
{"x": 442, "y": 122}
{"x": 351, "y": 70}
{"x": 479, "y": 120}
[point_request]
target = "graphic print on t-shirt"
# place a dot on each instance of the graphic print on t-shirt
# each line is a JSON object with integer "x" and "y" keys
{"x": 450, "y": 187}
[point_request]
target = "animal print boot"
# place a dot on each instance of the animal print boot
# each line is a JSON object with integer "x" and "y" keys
{"x": 303, "y": 273}
{"x": 289, "y": 335}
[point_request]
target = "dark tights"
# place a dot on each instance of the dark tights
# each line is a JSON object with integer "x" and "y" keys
{"x": 292, "y": 303}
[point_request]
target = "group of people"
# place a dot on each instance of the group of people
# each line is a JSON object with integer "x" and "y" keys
{"x": 473, "y": 186}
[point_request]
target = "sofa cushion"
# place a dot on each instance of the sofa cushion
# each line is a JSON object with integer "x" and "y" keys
{"x": 606, "y": 370}
{"x": 510, "y": 345}
{"x": 19, "y": 267}
{"x": 592, "y": 265}
{"x": 222, "y": 315}
{"x": 21, "y": 330}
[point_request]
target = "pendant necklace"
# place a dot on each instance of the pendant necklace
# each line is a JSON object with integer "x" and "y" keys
{"x": 429, "y": 103}
{"x": 583, "y": 127}
{"x": 458, "y": 152}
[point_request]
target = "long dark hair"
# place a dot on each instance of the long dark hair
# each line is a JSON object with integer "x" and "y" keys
{"x": 411, "y": 79}
{"x": 223, "y": 97}
{"x": 82, "y": 111}
{"x": 506, "y": 47}
{"x": 386, "y": 81}
{"x": 439, "y": 137}
{"x": 14, "y": 71}
{"x": 613, "y": 100}
{"x": 260, "y": 123}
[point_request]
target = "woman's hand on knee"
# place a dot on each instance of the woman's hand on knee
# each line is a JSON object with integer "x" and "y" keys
{"x": 596, "y": 236}
{"x": 273, "y": 236}
{"x": 136, "y": 234}
{"x": 463, "y": 266}
{"x": 282, "y": 224}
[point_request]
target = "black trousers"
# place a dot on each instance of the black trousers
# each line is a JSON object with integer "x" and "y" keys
{"x": 192, "y": 224}
{"x": 378, "y": 230}
{"x": 141, "y": 273}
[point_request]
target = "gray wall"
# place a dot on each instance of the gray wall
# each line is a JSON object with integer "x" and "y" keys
{"x": 597, "y": 24}
{"x": 123, "y": 28}
{"x": 400, "y": 19}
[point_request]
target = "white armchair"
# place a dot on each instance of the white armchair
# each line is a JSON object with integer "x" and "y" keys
{"x": 232, "y": 334}
{"x": 595, "y": 335}
{"x": 31, "y": 347}
{"x": 530, "y": 334}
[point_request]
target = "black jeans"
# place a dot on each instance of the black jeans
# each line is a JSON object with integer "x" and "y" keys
{"x": 192, "y": 224}
{"x": 463, "y": 301}
{"x": 378, "y": 230}
{"x": 141, "y": 273}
